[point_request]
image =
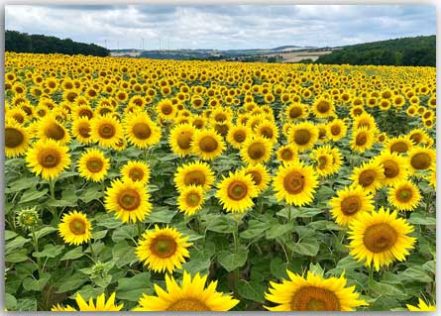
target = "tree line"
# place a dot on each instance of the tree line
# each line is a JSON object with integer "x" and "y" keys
{"x": 410, "y": 51}
{"x": 41, "y": 44}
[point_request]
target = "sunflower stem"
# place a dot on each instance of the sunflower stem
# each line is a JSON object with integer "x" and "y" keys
{"x": 92, "y": 252}
{"x": 140, "y": 228}
{"x": 52, "y": 188}
{"x": 35, "y": 242}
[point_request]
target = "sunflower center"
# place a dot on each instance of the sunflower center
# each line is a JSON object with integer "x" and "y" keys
{"x": 188, "y": 304}
{"x": 335, "y": 130}
{"x": 129, "y": 200}
{"x": 194, "y": 177}
{"x": 49, "y": 158}
{"x": 166, "y": 109}
{"x": 85, "y": 112}
{"x": 417, "y": 138}
{"x": 399, "y": 147}
{"x": 391, "y": 169}
{"x": 404, "y": 195}
{"x": 77, "y": 226}
{"x": 302, "y": 136}
{"x": 55, "y": 132}
{"x": 193, "y": 199}
{"x": 311, "y": 298}
{"x": 13, "y": 137}
{"x": 84, "y": 131}
{"x": 379, "y": 237}
{"x": 350, "y": 205}
{"x": 294, "y": 182}
{"x": 322, "y": 162}
{"x": 239, "y": 136}
{"x": 237, "y": 190}
{"x": 163, "y": 246}
{"x": 95, "y": 165}
{"x": 220, "y": 117}
{"x": 420, "y": 161}
{"x": 208, "y": 144}
{"x": 267, "y": 132}
{"x": 286, "y": 154}
{"x": 323, "y": 107}
{"x": 295, "y": 112}
{"x": 361, "y": 139}
{"x": 107, "y": 130}
{"x": 184, "y": 140}
{"x": 142, "y": 130}
{"x": 256, "y": 151}
{"x": 136, "y": 174}
{"x": 256, "y": 176}
{"x": 367, "y": 177}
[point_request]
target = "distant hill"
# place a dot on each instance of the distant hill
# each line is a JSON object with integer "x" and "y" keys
{"x": 25, "y": 43}
{"x": 409, "y": 51}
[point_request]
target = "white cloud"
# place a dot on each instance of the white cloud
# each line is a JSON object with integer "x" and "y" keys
{"x": 222, "y": 27}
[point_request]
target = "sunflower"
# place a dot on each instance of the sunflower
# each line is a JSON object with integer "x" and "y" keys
{"x": 295, "y": 184}
{"x": 48, "y": 158}
{"x": 75, "y": 228}
{"x": 255, "y": 150}
{"x": 50, "y": 128}
{"x": 422, "y": 307}
{"x": 349, "y": 204}
{"x": 81, "y": 130}
{"x": 328, "y": 160}
{"x": 101, "y": 305}
{"x": 163, "y": 249}
{"x": 369, "y": 176}
{"x": 419, "y": 136}
{"x": 191, "y": 199}
{"x": 141, "y": 131}
{"x": 137, "y": 171}
{"x": 180, "y": 139}
{"x": 313, "y": 293}
{"x": 364, "y": 120}
{"x": 379, "y": 238}
{"x": 296, "y": 111}
{"x": 260, "y": 176}
{"x": 394, "y": 167}
{"x": 336, "y": 129}
{"x": 16, "y": 139}
{"x": 207, "y": 144}
{"x": 194, "y": 173}
{"x": 362, "y": 139}
{"x": 268, "y": 130}
{"x": 287, "y": 153}
{"x": 166, "y": 109}
{"x": 190, "y": 295}
{"x": 404, "y": 196}
{"x": 236, "y": 192}
{"x": 303, "y": 135}
{"x": 421, "y": 158}
{"x": 129, "y": 200}
{"x": 93, "y": 165}
{"x": 323, "y": 108}
{"x": 106, "y": 130}
{"x": 237, "y": 135}
{"x": 399, "y": 145}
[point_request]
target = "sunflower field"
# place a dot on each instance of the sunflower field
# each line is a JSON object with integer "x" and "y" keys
{"x": 151, "y": 185}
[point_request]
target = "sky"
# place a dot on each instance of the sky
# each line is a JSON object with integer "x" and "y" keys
{"x": 154, "y": 27}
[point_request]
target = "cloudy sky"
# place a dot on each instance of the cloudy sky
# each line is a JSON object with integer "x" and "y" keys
{"x": 222, "y": 27}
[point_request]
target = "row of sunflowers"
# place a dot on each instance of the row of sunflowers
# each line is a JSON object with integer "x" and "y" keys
{"x": 147, "y": 185}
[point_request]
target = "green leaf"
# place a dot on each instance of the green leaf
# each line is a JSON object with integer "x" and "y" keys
{"x": 32, "y": 195}
{"x": 44, "y": 231}
{"x": 324, "y": 193}
{"x": 415, "y": 273}
{"x": 73, "y": 254}
{"x": 161, "y": 216}
{"x": 27, "y": 304}
{"x": 72, "y": 283}
{"x": 123, "y": 254}
{"x": 132, "y": 288}
{"x": 60, "y": 203}
{"x": 97, "y": 235}
{"x": 220, "y": 223}
{"x": 9, "y": 234}
{"x": 292, "y": 213}
{"x": 233, "y": 260}
{"x": 49, "y": 251}
{"x": 124, "y": 232}
{"x": 254, "y": 230}
{"x": 253, "y": 291}
{"x": 278, "y": 267}
{"x": 21, "y": 184}
{"x": 108, "y": 221}
{"x": 385, "y": 289}
{"x": 17, "y": 256}
{"x": 307, "y": 247}
{"x": 420, "y": 219}
{"x": 91, "y": 193}
{"x": 30, "y": 284}
{"x": 10, "y": 302}
{"x": 16, "y": 243}
{"x": 199, "y": 262}
{"x": 279, "y": 230}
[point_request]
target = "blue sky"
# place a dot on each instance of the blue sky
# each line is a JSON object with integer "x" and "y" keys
{"x": 222, "y": 27}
